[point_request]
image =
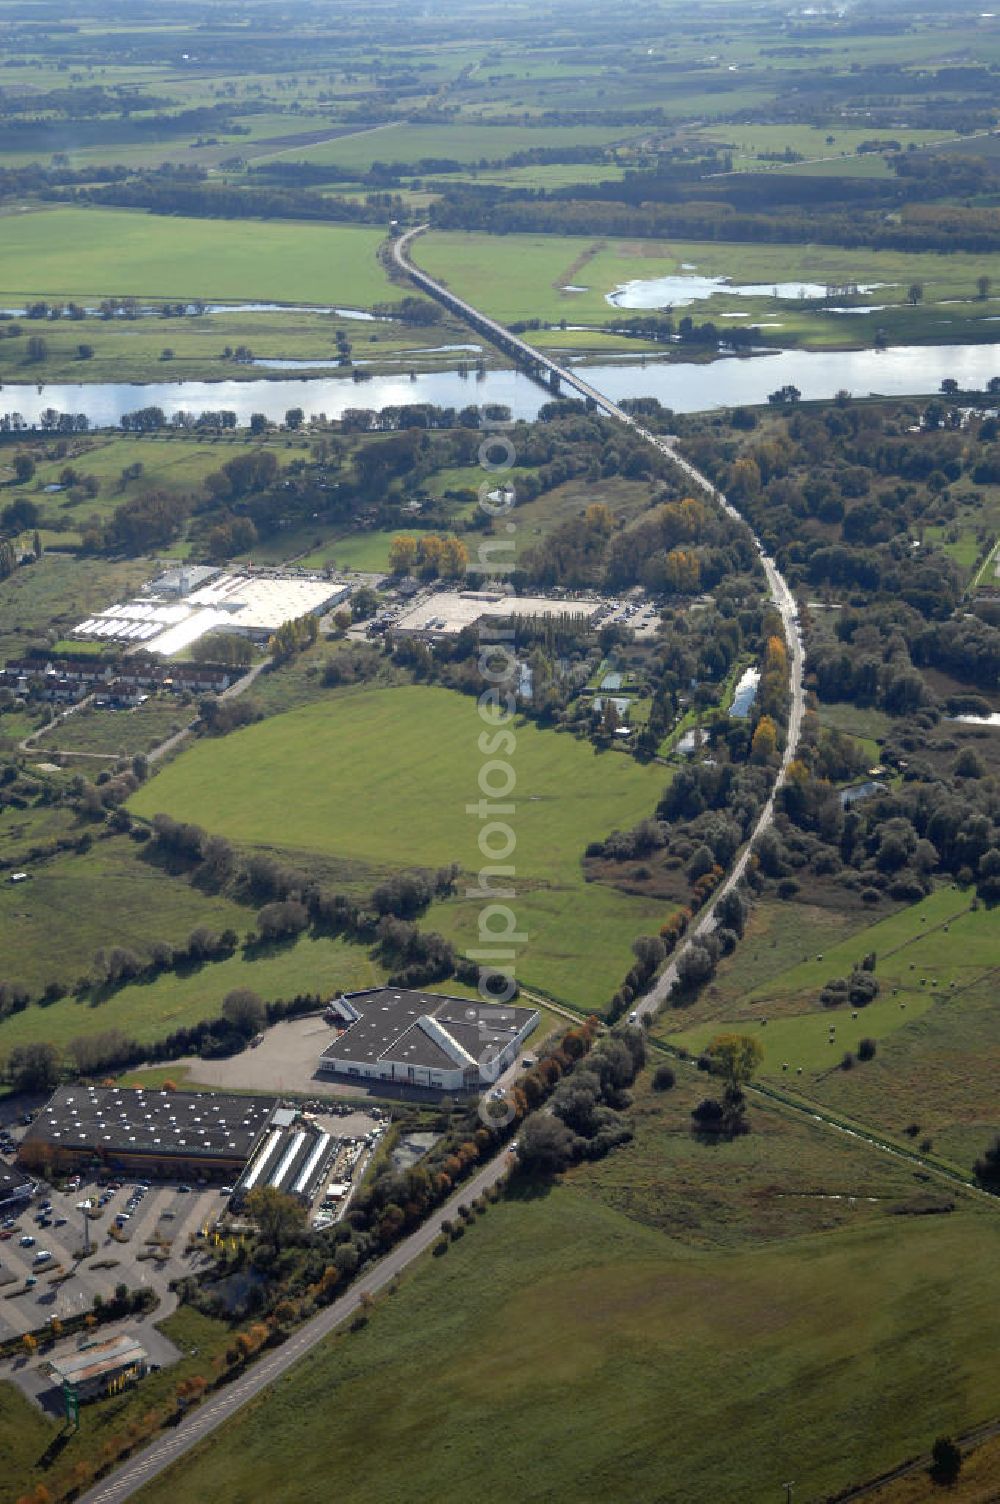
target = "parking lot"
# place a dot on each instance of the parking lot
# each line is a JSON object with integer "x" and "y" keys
{"x": 639, "y": 616}
{"x": 138, "y": 1237}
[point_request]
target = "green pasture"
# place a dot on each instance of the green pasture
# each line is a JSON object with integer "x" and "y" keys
{"x": 193, "y": 347}
{"x": 51, "y": 926}
{"x": 562, "y": 1321}
{"x": 382, "y": 778}
{"x": 87, "y": 253}
{"x": 748, "y": 140}
{"x": 462, "y": 142}
{"x": 938, "y": 1040}
{"x": 413, "y": 752}
{"x": 148, "y": 1011}
{"x": 520, "y": 276}
{"x": 173, "y": 462}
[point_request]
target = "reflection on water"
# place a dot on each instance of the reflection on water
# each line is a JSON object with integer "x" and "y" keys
{"x": 679, "y": 292}
{"x": 684, "y": 386}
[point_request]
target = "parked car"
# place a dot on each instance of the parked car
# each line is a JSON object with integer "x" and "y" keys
{"x": 27, "y": 1241}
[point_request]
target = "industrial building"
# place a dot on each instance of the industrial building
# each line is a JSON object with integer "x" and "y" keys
{"x": 292, "y": 1156}
{"x": 100, "y": 1368}
{"x": 15, "y": 1186}
{"x": 183, "y": 605}
{"x": 177, "y": 1134}
{"x": 445, "y": 613}
{"x": 424, "y": 1038}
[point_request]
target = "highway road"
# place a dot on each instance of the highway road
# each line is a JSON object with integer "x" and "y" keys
{"x": 780, "y": 593}
{"x": 171, "y": 1445}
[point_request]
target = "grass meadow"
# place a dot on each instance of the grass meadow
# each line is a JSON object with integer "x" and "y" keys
{"x": 521, "y": 276}
{"x": 618, "y": 1324}
{"x": 86, "y": 253}
{"x": 937, "y": 1032}
{"x": 382, "y": 778}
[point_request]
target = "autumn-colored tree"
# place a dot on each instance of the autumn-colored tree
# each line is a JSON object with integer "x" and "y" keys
{"x": 598, "y": 518}
{"x": 734, "y": 1057}
{"x": 402, "y": 554}
{"x": 29, "y": 1343}
{"x": 278, "y": 1217}
{"x": 775, "y": 656}
{"x": 454, "y": 558}
{"x": 764, "y": 746}
{"x": 683, "y": 571}
{"x": 430, "y": 553}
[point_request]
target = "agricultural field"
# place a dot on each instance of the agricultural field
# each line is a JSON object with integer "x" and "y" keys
{"x": 522, "y": 276}
{"x": 655, "y": 1292}
{"x": 95, "y": 253}
{"x": 938, "y": 1046}
{"x": 410, "y": 754}
{"x": 148, "y": 1011}
{"x": 467, "y": 143}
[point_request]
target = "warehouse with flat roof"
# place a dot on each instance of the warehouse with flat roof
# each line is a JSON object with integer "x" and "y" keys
{"x": 190, "y": 1135}
{"x": 424, "y": 1038}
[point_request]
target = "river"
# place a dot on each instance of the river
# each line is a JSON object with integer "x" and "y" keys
{"x": 684, "y": 386}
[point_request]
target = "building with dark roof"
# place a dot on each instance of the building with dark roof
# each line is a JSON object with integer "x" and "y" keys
{"x": 424, "y": 1038}
{"x": 189, "y": 1135}
{"x": 15, "y": 1186}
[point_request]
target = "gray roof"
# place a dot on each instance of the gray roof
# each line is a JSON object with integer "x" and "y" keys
{"x": 139, "y": 1121}
{"x": 13, "y": 1182}
{"x": 424, "y": 1029}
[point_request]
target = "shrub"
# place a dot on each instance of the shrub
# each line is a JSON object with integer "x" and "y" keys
{"x": 866, "y": 1049}
{"x": 663, "y": 1078}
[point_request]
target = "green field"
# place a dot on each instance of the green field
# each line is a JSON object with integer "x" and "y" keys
{"x": 51, "y": 926}
{"x": 938, "y": 1035}
{"x": 148, "y": 1011}
{"x": 133, "y": 349}
{"x": 520, "y": 276}
{"x": 618, "y": 1325}
{"x": 382, "y": 778}
{"x": 465, "y": 143}
{"x": 93, "y": 253}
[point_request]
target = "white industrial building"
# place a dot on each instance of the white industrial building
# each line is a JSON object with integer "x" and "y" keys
{"x": 447, "y": 612}
{"x": 424, "y": 1038}
{"x": 184, "y": 605}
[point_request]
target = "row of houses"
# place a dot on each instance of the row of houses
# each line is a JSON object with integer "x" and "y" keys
{"x": 67, "y": 680}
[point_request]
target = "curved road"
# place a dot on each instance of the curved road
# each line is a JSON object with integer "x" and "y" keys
{"x": 780, "y": 593}
{"x": 170, "y": 1445}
